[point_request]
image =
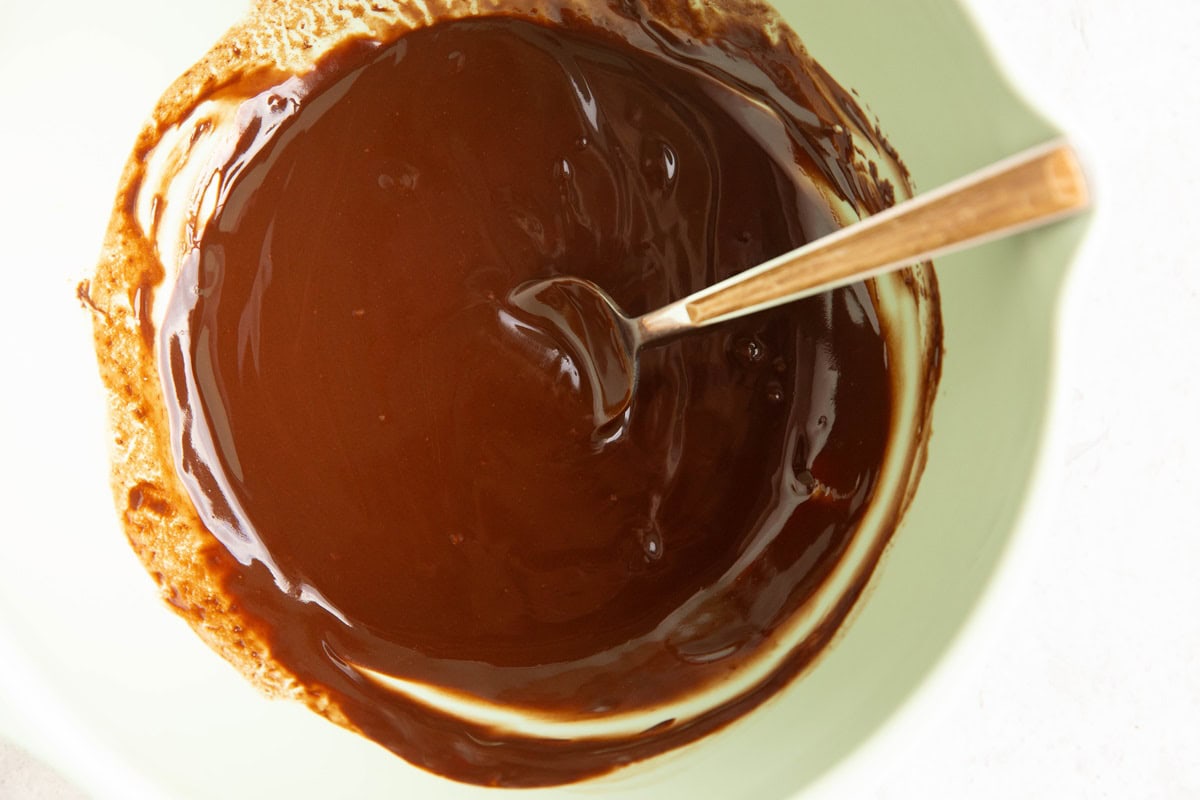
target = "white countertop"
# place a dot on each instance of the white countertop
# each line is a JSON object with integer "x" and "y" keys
{"x": 1091, "y": 684}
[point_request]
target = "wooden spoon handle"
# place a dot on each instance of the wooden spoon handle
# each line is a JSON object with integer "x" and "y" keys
{"x": 1030, "y": 189}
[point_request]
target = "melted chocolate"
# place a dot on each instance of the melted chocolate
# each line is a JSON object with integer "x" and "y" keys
{"x": 402, "y": 467}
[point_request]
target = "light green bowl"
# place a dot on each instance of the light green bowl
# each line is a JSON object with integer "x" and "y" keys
{"x": 124, "y": 699}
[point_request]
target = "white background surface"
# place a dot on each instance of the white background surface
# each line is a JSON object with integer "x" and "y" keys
{"x": 1089, "y": 683}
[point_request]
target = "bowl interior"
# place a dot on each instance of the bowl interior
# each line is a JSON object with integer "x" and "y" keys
{"x": 99, "y": 679}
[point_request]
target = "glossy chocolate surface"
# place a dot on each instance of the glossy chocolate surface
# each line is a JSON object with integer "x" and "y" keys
{"x": 401, "y": 463}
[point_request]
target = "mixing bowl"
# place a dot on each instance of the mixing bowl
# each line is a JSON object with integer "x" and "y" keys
{"x": 108, "y": 686}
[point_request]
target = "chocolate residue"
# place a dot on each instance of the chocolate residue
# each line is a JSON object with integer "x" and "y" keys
{"x": 369, "y": 484}
{"x": 83, "y": 294}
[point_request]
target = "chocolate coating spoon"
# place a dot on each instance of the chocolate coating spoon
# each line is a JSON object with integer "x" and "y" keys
{"x": 1030, "y": 189}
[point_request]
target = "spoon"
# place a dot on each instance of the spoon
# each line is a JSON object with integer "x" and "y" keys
{"x": 1030, "y": 189}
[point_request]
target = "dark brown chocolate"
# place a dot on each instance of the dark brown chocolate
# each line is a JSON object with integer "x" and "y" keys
{"x": 403, "y": 471}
